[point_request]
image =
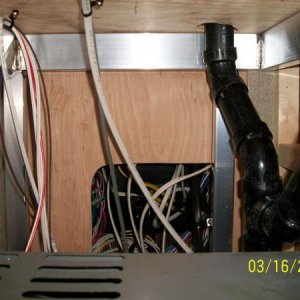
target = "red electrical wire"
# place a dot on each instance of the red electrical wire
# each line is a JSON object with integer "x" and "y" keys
{"x": 41, "y": 203}
{"x": 103, "y": 228}
{"x": 43, "y": 196}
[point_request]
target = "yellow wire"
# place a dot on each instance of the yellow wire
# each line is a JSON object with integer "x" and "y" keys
{"x": 122, "y": 172}
{"x": 147, "y": 184}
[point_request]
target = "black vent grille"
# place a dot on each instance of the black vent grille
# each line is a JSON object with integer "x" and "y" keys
{"x": 74, "y": 277}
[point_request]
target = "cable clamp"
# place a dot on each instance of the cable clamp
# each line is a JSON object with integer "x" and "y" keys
{"x": 11, "y": 19}
{"x": 88, "y": 5}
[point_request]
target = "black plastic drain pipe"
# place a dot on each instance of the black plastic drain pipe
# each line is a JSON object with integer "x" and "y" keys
{"x": 272, "y": 215}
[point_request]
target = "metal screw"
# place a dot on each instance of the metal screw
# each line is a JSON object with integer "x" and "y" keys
{"x": 209, "y": 222}
{"x": 97, "y": 2}
{"x": 14, "y": 14}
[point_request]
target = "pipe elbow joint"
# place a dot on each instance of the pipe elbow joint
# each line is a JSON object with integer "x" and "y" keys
{"x": 273, "y": 215}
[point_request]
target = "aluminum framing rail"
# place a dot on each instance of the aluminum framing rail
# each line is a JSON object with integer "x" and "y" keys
{"x": 281, "y": 44}
{"x": 223, "y": 186}
{"x": 150, "y": 276}
{"x": 166, "y": 51}
{"x": 135, "y": 51}
{"x": 16, "y": 210}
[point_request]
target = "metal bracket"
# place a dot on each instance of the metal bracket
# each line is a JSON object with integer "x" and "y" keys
{"x": 14, "y": 58}
{"x": 260, "y": 53}
{"x": 282, "y": 43}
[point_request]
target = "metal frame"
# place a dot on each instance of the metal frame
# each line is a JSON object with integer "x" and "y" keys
{"x": 223, "y": 185}
{"x": 281, "y": 44}
{"x": 153, "y": 276}
{"x": 146, "y": 51}
{"x": 135, "y": 51}
{"x": 16, "y": 211}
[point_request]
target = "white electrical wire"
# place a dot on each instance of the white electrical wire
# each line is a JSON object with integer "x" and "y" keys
{"x": 31, "y": 65}
{"x": 17, "y": 127}
{"x": 162, "y": 205}
{"x": 35, "y": 92}
{"x": 41, "y": 178}
{"x": 179, "y": 179}
{"x": 18, "y": 130}
{"x": 111, "y": 216}
{"x": 163, "y": 245}
{"x": 90, "y": 41}
{"x": 129, "y": 182}
{"x": 108, "y": 239}
{"x": 167, "y": 194}
{"x": 164, "y": 188}
{"x": 29, "y": 74}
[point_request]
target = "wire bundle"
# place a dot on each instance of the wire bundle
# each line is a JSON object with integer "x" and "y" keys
{"x": 108, "y": 244}
{"x": 98, "y": 207}
{"x": 94, "y": 64}
{"x": 38, "y": 186}
{"x": 168, "y": 192}
{"x": 93, "y": 59}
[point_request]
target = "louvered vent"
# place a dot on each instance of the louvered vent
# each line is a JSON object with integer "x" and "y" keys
{"x": 5, "y": 264}
{"x": 73, "y": 277}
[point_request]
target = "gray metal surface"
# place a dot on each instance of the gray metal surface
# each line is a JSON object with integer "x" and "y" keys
{"x": 2, "y": 185}
{"x": 153, "y": 276}
{"x": 222, "y": 190}
{"x": 16, "y": 212}
{"x": 134, "y": 51}
{"x": 282, "y": 43}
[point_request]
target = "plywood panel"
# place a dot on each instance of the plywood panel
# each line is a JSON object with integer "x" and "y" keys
{"x": 289, "y": 120}
{"x": 289, "y": 108}
{"x": 162, "y": 117}
{"x": 289, "y": 156}
{"x": 58, "y": 16}
{"x": 263, "y": 91}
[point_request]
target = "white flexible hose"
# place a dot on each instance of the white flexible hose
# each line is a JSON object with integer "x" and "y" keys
{"x": 90, "y": 41}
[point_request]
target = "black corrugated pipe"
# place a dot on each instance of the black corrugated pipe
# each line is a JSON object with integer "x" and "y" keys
{"x": 273, "y": 215}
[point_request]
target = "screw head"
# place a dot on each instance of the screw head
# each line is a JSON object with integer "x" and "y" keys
{"x": 14, "y": 14}
{"x": 97, "y": 2}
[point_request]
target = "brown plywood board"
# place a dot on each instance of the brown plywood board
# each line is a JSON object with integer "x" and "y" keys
{"x": 163, "y": 117}
{"x": 289, "y": 108}
{"x": 58, "y": 16}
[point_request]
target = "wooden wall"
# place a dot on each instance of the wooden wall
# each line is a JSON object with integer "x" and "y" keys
{"x": 150, "y": 15}
{"x": 289, "y": 107}
{"x": 162, "y": 117}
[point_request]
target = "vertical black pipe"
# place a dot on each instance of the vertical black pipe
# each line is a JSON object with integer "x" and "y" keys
{"x": 272, "y": 216}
